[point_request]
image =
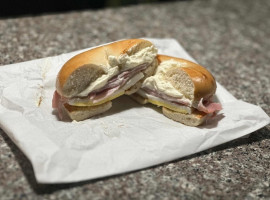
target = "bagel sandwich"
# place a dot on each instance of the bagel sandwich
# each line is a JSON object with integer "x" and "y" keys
{"x": 182, "y": 88}
{"x": 88, "y": 82}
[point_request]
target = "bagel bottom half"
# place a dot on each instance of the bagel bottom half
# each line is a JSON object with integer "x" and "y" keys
{"x": 194, "y": 119}
{"x": 80, "y": 113}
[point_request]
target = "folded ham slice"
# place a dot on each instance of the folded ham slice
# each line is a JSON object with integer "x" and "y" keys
{"x": 208, "y": 107}
{"x": 57, "y": 103}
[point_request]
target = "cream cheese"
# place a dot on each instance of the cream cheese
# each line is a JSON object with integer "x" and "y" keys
{"x": 125, "y": 61}
{"x": 101, "y": 81}
{"x": 132, "y": 81}
{"x": 157, "y": 82}
{"x": 122, "y": 63}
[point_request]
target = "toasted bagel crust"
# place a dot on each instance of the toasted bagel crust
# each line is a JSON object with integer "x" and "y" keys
{"x": 94, "y": 59}
{"x": 203, "y": 81}
{"x": 82, "y": 113}
{"x": 194, "y": 119}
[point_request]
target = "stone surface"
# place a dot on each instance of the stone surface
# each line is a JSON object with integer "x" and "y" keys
{"x": 230, "y": 38}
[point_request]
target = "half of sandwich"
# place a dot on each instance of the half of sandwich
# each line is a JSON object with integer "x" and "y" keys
{"x": 182, "y": 88}
{"x": 88, "y": 82}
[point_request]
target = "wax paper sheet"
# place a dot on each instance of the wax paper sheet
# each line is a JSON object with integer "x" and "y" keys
{"x": 126, "y": 138}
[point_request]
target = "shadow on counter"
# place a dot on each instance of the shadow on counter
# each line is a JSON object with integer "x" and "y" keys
{"x": 42, "y": 189}
{"x": 17, "y": 8}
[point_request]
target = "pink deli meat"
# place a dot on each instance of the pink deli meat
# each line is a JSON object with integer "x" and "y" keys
{"x": 208, "y": 106}
{"x": 204, "y": 105}
{"x": 166, "y": 97}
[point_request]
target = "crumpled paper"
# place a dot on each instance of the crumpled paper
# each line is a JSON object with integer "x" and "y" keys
{"x": 128, "y": 137}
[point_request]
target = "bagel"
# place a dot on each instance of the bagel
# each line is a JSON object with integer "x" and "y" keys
{"x": 182, "y": 88}
{"x": 88, "y": 81}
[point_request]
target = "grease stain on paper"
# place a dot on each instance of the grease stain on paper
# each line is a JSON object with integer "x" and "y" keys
{"x": 40, "y": 95}
{"x": 45, "y": 68}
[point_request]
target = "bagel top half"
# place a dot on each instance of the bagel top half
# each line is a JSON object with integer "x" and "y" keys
{"x": 192, "y": 80}
{"x": 177, "y": 84}
{"x": 92, "y": 69}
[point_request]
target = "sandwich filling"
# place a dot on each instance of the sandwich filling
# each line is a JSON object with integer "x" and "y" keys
{"x": 125, "y": 63}
{"x": 159, "y": 90}
{"x": 178, "y": 104}
{"x": 115, "y": 87}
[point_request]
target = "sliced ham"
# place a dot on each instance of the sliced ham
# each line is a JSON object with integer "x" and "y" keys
{"x": 166, "y": 97}
{"x": 208, "y": 106}
{"x": 55, "y": 100}
{"x": 58, "y": 100}
{"x": 121, "y": 78}
{"x": 96, "y": 97}
{"x": 204, "y": 105}
{"x": 57, "y": 103}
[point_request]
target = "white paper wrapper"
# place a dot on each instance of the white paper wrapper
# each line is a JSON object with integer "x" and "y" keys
{"x": 128, "y": 137}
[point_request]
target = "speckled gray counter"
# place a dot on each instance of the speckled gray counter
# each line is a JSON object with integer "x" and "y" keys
{"x": 230, "y": 37}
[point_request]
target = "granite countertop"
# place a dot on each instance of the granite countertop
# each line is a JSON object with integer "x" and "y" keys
{"x": 230, "y": 37}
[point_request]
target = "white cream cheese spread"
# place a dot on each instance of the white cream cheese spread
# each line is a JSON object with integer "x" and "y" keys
{"x": 122, "y": 63}
{"x": 101, "y": 81}
{"x": 157, "y": 82}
